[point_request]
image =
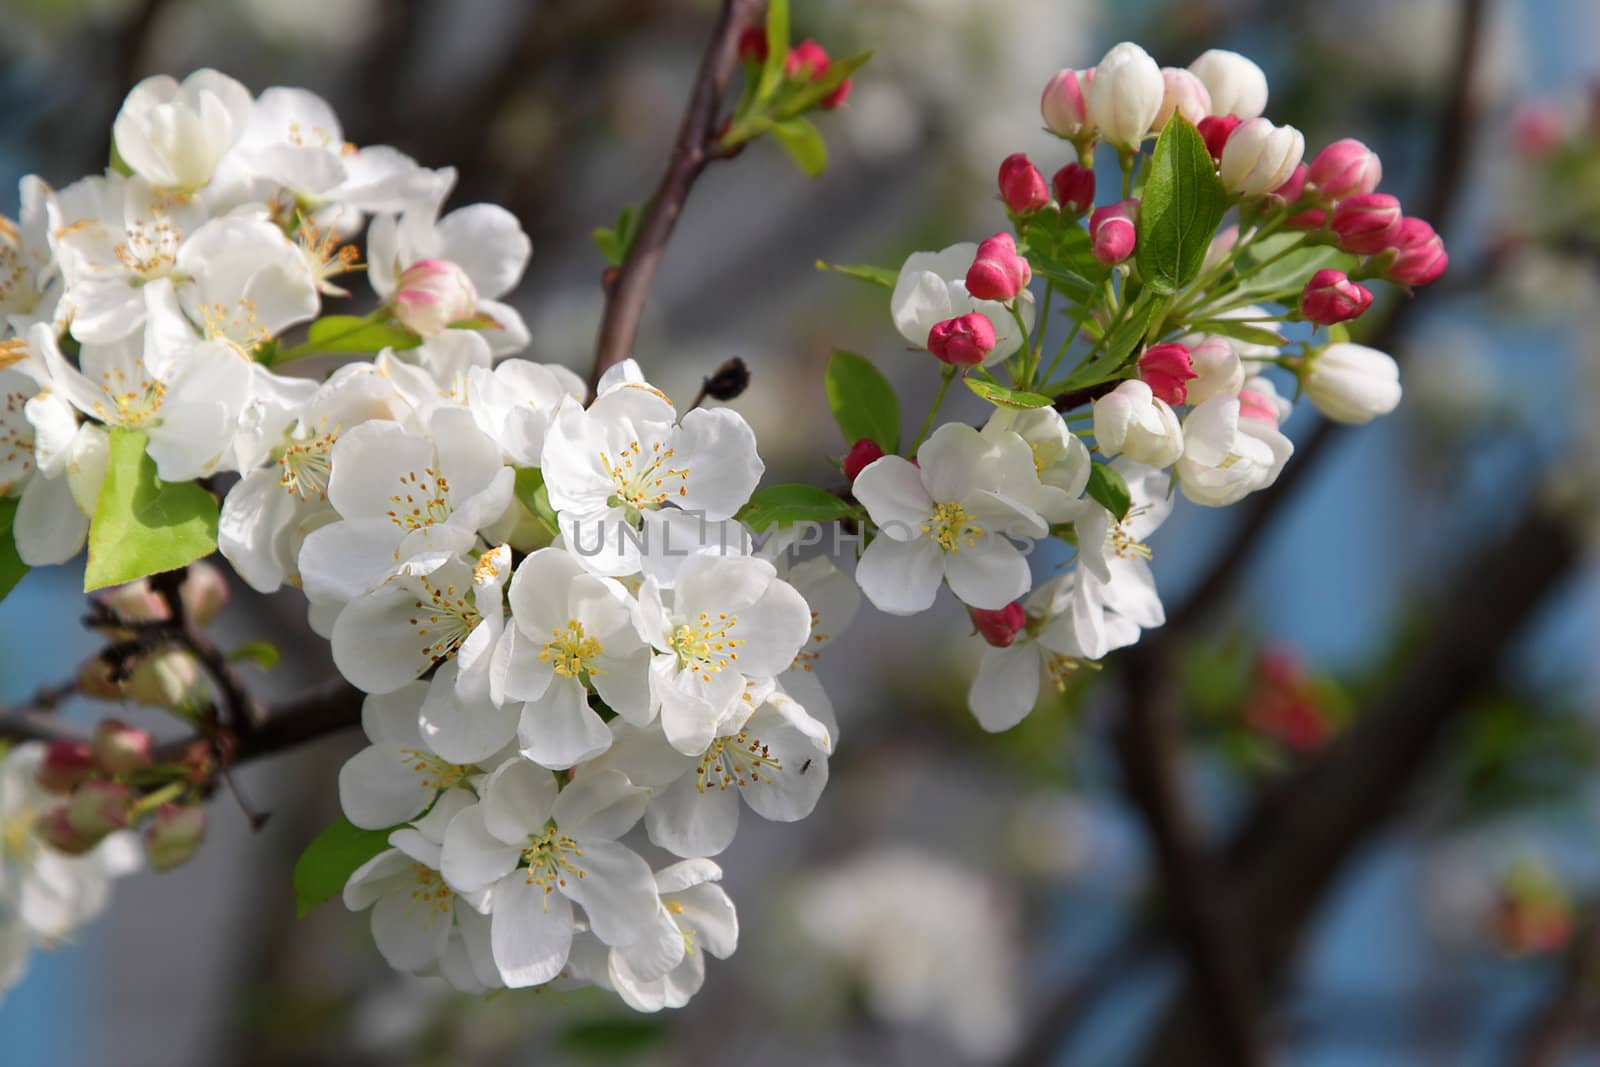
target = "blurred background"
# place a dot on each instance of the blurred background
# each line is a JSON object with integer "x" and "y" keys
{"x": 1377, "y": 705}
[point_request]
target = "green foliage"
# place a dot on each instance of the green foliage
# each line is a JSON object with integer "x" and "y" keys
{"x": 263, "y": 654}
{"x": 862, "y": 401}
{"x": 1108, "y": 489}
{"x": 802, "y": 141}
{"x": 141, "y": 524}
{"x": 1247, "y": 332}
{"x": 11, "y": 566}
{"x": 777, "y": 49}
{"x": 1280, "y": 263}
{"x": 784, "y": 504}
{"x": 352, "y": 333}
{"x": 615, "y": 242}
{"x": 1059, "y": 249}
{"x": 1182, "y": 205}
{"x": 616, "y": 1039}
{"x": 530, "y": 490}
{"x": 328, "y": 862}
{"x": 881, "y": 276}
{"x": 1001, "y": 397}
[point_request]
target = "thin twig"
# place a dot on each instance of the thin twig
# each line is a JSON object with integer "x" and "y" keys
{"x": 1574, "y": 1001}
{"x": 625, "y": 297}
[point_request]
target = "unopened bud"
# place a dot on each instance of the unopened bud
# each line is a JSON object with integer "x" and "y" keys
{"x": 120, "y": 749}
{"x": 1330, "y": 296}
{"x": 204, "y": 592}
{"x": 1310, "y": 219}
{"x": 862, "y": 454}
{"x": 1125, "y": 95}
{"x": 174, "y": 835}
{"x": 1217, "y": 367}
{"x": 1074, "y": 188}
{"x": 728, "y": 380}
{"x": 1167, "y": 370}
{"x": 753, "y": 44}
{"x": 962, "y": 342}
{"x": 1352, "y": 383}
{"x": 1292, "y": 189}
{"x": 1420, "y": 255}
{"x": 1345, "y": 168}
{"x": 98, "y": 807}
{"x": 432, "y": 294}
{"x": 808, "y": 60}
{"x": 997, "y": 272}
{"x": 1186, "y": 95}
{"x": 1000, "y": 627}
{"x": 58, "y": 833}
{"x": 65, "y": 764}
{"x": 1112, "y": 231}
{"x": 134, "y": 602}
{"x": 1064, "y": 105}
{"x": 1215, "y": 132}
{"x": 1237, "y": 86}
{"x": 1259, "y": 157}
{"x": 1366, "y": 224}
{"x": 1022, "y": 187}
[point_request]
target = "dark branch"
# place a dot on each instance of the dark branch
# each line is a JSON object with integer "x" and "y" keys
{"x": 626, "y": 295}
{"x": 1574, "y": 1000}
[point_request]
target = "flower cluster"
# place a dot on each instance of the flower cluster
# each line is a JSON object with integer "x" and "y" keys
{"x": 1175, "y": 340}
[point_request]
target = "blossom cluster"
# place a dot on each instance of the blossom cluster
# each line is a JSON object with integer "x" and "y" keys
{"x": 562, "y": 628}
{"x": 1176, "y": 345}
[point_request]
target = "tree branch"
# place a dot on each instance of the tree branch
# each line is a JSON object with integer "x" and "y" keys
{"x": 626, "y": 294}
{"x": 1572, "y": 1002}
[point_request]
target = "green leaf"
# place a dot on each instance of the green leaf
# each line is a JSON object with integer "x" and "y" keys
{"x": 614, "y": 242}
{"x": 1240, "y": 331}
{"x": 1001, "y": 397}
{"x": 620, "y": 1039}
{"x": 803, "y": 143}
{"x": 1338, "y": 333}
{"x": 784, "y": 504}
{"x": 328, "y": 862}
{"x": 863, "y": 272}
{"x": 1126, "y": 337}
{"x": 356, "y": 333}
{"x": 1108, "y": 489}
{"x": 530, "y": 490}
{"x": 862, "y": 400}
{"x": 1183, "y": 203}
{"x": 804, "y": 96}
{"x": 141, "y": 524}
{"x": 263, "y": 654}
{"x": 11, "y": 566}
{"x": 1290, "y": 272}
{"x": 777, "y": 48}
{"x": 1060, "y": 250}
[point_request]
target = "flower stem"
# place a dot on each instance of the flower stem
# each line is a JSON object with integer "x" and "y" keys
{"x": 938, "y": 402}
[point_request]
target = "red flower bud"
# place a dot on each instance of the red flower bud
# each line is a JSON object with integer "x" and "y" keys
{"x": 1000, "y": 628}
{"x": 59, "y": 834}
{"x": 1112, "y": 230}
{"x": 807, "y": 59}
{"x": 1167, "y": 369}
{"x": 997, "y": 272}
{"x": 1366, "y": 224}
{"x": 120, "y": 749}
{"x": 1421, "y": 256}
{"x": 1215, "y": 131}
{"x": 1022, "y": 187}
{"x": 1074, "y": 188}
{"x": 863, "y": 453}
{"x": 1345, "y": 168}
{"x": 753, "y": 44}
{"x": 964, "y": 341}
{"x": 1330, "y": 296}
{"x": 1293, "y": 189}
{"x": 174, "y": 835}
{"x": 65, "y": 764}
{"x": 839, "y": 95}
{"x": 1309, "y": 219}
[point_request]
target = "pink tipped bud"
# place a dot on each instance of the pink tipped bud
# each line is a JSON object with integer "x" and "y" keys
{"x": 753, "y": 44}
{"x": 1421, "y": 256}
{"x": 808, "y": 60}
{"x": 1074, "y": 188}
{"x": 1366, "y": 224}
{"x": 98, "y": 807}
{"x": 204, "y": 592}
{"x": 58, "y": 833}
{"x": 962, "y": 342}
{"x": 1330, "y": 296}
{"x": 839, "y": 95}
{"x": 120, "y": 749}
{"x": 1258, "y": 406}
{"x": 174, "y": 835}
{"x": 1167, "y": 369}
{"x": 861, "y": 455}
{"x": 1538, "y": 129}
{"x": 134, "y": 602}
{"x": 1000, "y": 628}
{"x": 1022, "y": 187}
{"x": 1185, "y": 95}
{"x": 1345, "y": 168}
{"x": 65, "y": 764}
{"x": 1064, "y": 105}
{"x": 1113, "y": 232}
{"x": 432, "y": 294}
{"x": 1293, "y": 189}
{"x": 1215, "y": 131}
{"x": 997, "y": 272}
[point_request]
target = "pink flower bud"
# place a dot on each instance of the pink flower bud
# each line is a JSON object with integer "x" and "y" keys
{"x": 120, "y": 749}
{"x": 134, "y": 602}
{"x": 58, "y": 833}
{"x": 1167, "y": 369}
{"x": 1293, "y": 189}
{"x": 1538, "y": 129}
{"x": 1112, "y": 230}
{"x": 808, "y": 59}
{"x": 98, "y": 807}
{"x": 1367, "y": 223}
{"x": 1000, "y": 627}
{"x": 204, "y": 592}
{"x": 433, "y": 293}
{"x": 1074, "y": 188}
{"x": 962, "y": 342}
{"x": 1185, "y": 95}
{"x": 862, "y": 454}
{"x": 1330, "y": 296}
{"x": 1257, "y": 406}
{"x": 1215, "y": 131}
{"x": 840, "y": 94}
{"x": 997, "y": 272}
{"x": 753, "y": 44}
{"x": 65, "y": 764}
{"x": 1345, "y": 168}
{"x": 1309, "y": 219}
{"x": 1064, "y": 104}
{"x": 174, "y": 835}
{"x": 1421, "y": 256}
{"x": 1022, "y": 187}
